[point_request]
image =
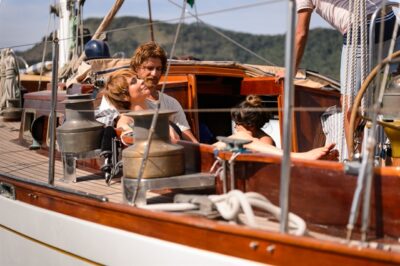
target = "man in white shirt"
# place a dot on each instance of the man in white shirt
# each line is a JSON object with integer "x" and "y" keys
{"x": 149, "y": 62}
{"x": 336, "y": 13}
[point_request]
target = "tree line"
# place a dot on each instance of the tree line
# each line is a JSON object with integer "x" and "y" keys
{"x": 322, "y": 53}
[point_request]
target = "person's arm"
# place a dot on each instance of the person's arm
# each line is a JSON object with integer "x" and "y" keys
{"x": 179, "y": 118}
{"x": 174, "y": 137}
{"x": 267, "y": 140}
{"x": 124, "y": 122}
{"x": 188, "y": 135}
{"x": 302, "y": 29}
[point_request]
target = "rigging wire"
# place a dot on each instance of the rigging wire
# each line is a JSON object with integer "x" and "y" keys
{"x": 225, "y": 36}
{"x": 45, "y": 45}
{"x": 158, "y": 106}
{"x": 225, "y": 10}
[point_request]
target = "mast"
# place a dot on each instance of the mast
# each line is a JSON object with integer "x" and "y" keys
{"x": 64, "y": 33}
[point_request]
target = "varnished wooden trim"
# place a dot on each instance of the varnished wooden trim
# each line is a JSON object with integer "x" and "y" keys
{"x": 205, "y": 234}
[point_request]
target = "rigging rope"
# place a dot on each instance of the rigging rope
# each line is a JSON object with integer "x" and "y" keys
{"x": 355, "y": 70}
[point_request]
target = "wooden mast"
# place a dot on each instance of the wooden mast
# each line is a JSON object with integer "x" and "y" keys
{"x": 102, "y": 27}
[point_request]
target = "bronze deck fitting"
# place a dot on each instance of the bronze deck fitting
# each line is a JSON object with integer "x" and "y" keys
{"x": 165, "y": 159}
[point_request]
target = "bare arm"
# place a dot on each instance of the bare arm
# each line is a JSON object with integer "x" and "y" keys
{"x": 174, "y": 137}
{"x": 260, "y": 146}
{"x": 313, "y": 154}
{"x": 302, "y": 29}
{"x": 123, "y": 122}
{"x": 188, "y": 135}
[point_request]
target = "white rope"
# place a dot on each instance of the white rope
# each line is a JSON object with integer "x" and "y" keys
{"x": 341, "y": 140}
{"x": 216, "y": 162}
{"x": 356, "y": 42}
{"x": 170, "y": 207}
{"x": 235, "y": 202}
{"x": 364, "y": 43}
{"x": 230, "y": 204}
{"x": 259, "y": 201}
{"x": 363, "y": 52}
{"x": 233, "y": 157}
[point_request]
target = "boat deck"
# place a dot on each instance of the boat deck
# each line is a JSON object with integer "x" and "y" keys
{"x": 18, "y": 160}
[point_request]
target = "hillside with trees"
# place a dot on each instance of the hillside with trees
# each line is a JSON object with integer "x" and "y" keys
{"x": 198, "y": 40}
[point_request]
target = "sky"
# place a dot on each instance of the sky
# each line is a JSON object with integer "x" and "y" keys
{"x": 24, "y": 22}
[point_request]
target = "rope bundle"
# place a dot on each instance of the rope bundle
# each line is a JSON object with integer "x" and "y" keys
{"x": 234, "y": 203}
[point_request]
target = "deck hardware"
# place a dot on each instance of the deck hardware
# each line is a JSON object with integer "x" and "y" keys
{"x": 197, "y": 180}
{"x": 254, "y": 245}
{"x": 352, "y": 167}
{"x": 205, "y": 206}
{"x": 80, "y": 135}
{"x": 236, "y": 146}
{"x": 7, "y": 190}
{"x": 270, "y": 249}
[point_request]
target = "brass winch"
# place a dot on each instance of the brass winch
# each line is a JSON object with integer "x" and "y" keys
{"x": 80, "y": 132}
{"x": 165, "y": 159}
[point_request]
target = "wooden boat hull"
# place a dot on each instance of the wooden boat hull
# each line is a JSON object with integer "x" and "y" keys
{"x": 47, "y": 236}
{"x": 197, "y": 232}
{"x": 320, "y": 191}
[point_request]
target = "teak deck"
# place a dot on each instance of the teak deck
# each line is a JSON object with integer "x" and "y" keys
{"x": 19, "y": 161}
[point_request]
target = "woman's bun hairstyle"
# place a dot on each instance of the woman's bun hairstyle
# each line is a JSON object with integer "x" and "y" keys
{"x": 250, "y": 113}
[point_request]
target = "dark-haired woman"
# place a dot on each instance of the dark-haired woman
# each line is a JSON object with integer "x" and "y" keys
{"x": 250, "y": 116}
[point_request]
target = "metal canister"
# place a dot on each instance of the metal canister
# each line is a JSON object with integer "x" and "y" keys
{"x": 80, "y": 132}
{"x": 165, "y": 159}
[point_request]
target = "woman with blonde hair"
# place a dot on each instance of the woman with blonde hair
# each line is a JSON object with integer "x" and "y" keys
{"x": 124, "y": 92}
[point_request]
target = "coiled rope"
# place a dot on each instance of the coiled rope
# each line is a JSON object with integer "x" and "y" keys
{"x": 234, "y": 203}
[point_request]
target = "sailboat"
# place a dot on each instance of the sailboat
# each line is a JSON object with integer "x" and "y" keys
{"x": 56, "y": 213}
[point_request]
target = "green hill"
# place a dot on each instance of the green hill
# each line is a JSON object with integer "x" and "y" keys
{"x": 125, "y": 33}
